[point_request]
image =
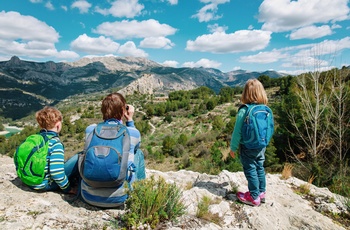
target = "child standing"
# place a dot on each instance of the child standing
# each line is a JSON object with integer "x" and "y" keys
{"x": 252, "y": 159}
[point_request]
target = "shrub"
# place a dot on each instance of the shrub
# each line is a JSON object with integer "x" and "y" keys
{"x": 152, "y": 202}
{"x": 203, "y": 211}
{"x": 287, "y": 171}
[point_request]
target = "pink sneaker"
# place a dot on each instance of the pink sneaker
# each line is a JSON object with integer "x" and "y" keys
{"x": 247, "y": 199}
{"x": 262, "y": 197}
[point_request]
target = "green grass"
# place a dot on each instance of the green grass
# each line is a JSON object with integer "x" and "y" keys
{"x": 151, "y": 202}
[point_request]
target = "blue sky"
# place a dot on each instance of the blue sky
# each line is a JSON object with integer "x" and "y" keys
{"x": 254, "y": 35}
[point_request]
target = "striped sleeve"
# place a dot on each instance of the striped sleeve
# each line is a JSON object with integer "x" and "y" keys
{"x": 56, "y": 164}
{"x": 135, "y": 138}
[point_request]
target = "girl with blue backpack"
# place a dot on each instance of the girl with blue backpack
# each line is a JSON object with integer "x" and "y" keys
{"x": 252, "y": 132}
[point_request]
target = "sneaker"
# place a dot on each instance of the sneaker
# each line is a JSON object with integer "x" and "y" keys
{"x": 262, "y": 197}
{"x": 247, "y": 199}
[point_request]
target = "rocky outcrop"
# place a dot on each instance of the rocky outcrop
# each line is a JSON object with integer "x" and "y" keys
{"x": 21, "y": 208}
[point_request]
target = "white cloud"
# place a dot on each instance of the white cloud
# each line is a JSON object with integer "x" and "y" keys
{"x": 285, "y": 15}
{"x": 130, "y": 49}
{"x": 35, "y": 1}
{"x": 65, "y": 8}
{"x": 206, "y": 63}
{"x": 156, "y": 43}
{"x": 27, "y": 36}
{"x": 33, "y": 49}
{"x": 134, "y": 29}
{"x": 336, "y": 26}
{"x": 49, "y": 5}
{"x": 216, "y": 28}
{"x": 173, "y": 2}
{"x": 67, "y": 54}
{"x": 15, "y": 26}
{"x": 170, "y": 63}
{"x": 242, "y": 40}
{"x": 306, "y": 56}
{"x": 326, "y": 47}
{"x": 217, "y": 2}
{"x": 263, "y": 57}
{"x": 207, "y": 13}
{"x": 311, "y": 32}
{"x": 82, "y": 5}
{"x": 100, "y": 45}
{"x": 123, "y": 8}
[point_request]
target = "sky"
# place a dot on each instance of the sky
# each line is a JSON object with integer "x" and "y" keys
{"x": 255, "y": 35}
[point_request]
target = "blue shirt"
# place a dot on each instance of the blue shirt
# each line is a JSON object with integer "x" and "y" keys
{"x": 237, "y": 131}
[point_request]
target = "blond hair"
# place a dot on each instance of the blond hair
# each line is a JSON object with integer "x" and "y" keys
{"x": 48, "y": 117}
{"x": 254, "y": 92}
{"x": 113, "y": 106}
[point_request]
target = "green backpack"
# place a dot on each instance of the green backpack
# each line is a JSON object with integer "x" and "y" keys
{"x": 30, "y": 158}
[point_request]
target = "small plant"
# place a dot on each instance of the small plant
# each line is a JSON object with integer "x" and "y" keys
{"x": 203, "y": 211}
{"x": 234, "y": 187}
{"x": 153, "y": 201}
{"x": 189, "y": 185}
{"x": 305, "y": 188}
{"x": 287, "y": 171}
{"x": 331, "y": 200}
{"x": 203, "y": 207}
{"x": 34, "y": 213}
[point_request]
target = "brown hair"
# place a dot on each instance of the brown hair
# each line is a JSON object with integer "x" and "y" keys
{"x": 48, "y": 117}
{"x": 254, "y": 92}
{"x": 113, "y": 106}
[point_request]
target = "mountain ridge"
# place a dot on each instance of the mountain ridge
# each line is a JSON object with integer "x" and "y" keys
{"x": 25, "y": 81}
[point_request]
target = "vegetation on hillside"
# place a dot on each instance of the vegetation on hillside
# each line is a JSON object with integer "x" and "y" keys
{"x": 192, "y": 129}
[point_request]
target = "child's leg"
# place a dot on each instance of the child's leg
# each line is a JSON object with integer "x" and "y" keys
{"x": 71, "y": 166}
{"x": 247, "y": 157}
{"x": 261, "y": 171}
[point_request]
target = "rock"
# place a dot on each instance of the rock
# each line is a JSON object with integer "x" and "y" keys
{"x": 22, "y": 208}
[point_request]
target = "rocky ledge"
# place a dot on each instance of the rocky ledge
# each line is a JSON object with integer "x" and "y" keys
{"x": 21, "y": 208}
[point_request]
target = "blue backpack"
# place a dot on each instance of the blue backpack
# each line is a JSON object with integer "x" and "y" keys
{"x": 103, "y": 166}
{"x": 258, "y": 126}
{"x": 104, "y": 162}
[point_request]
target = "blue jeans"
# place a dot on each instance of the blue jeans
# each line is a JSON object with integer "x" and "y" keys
{"x": 71, "y": 170}
{"x": 253, "y": 166}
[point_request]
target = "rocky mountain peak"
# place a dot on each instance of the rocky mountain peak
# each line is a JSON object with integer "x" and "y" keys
{"x": 14, "y": 61}
{"x": 117, "y": 63}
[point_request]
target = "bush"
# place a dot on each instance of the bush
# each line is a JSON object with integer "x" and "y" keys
{"x": 152, "y": 202}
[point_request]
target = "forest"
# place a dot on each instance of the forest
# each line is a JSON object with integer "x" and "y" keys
{"x": 192, "y": 129}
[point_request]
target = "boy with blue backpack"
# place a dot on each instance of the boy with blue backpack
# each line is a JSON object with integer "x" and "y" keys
{"x": 253, "y": 130}
{"x": 108, "y": 165}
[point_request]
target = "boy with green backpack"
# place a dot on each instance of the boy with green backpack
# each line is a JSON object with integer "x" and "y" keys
{"x": 39, "y": 160}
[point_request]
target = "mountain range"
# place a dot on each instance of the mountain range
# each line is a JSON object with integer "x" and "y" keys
{"x": 26, "y": 86}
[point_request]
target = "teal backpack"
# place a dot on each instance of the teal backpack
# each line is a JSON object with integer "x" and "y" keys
{"x": 30, "y": 158}
{"x": 258, "y": 126}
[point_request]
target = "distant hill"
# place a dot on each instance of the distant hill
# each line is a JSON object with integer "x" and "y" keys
{"x": 26, "y": 86}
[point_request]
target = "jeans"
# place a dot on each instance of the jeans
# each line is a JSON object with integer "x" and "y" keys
{"x": 71, "y": 166}
{"x": 71, "y": 170}
{"x": 253, "y": 166}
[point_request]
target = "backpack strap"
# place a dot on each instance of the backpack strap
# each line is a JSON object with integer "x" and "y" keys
{"x": 47, "y": 135}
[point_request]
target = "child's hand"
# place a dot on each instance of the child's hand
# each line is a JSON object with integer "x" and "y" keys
{"x": 232, "y": 154}
{"x": 129, "y": 112}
